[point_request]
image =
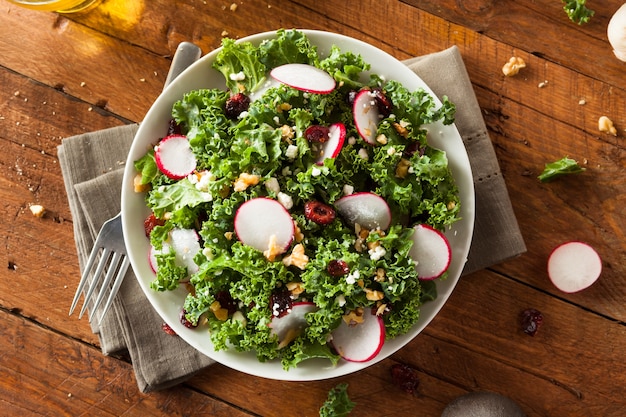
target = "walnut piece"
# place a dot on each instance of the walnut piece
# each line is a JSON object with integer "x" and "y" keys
{"x": 606, "y": 125}
{"x": 512, "y": 67}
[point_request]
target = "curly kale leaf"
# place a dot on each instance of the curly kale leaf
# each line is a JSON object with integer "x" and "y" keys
{"x": 577, "y": 11}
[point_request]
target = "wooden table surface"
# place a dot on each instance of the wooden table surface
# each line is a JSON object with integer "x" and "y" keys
{"x": 65, "y": 75}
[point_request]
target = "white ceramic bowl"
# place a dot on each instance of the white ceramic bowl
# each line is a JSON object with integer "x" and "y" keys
{"x": 169, "y": 304}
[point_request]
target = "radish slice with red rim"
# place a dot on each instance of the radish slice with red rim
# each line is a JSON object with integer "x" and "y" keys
{"x": 174, "y": 157}
{"x": 368, "y": 210}
{"x": 259, "y": 220}
{"x": 304, "y": 77}
{"x": 366, "y": 116}
{"x": 332, "y": 147}
{"x": 430, "y": 251}
{"x": 574, "y": 266}
{"x": 360, "y": 342}
{"x": 288, "y": 326}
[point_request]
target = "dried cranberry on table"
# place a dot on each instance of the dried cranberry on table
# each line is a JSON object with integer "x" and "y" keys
{"x": 236, "y": 104}
{"x": 405, "y": 377}
{"x": 167, "y": 329}
{"x": 318, "y": 212}
{"x": 530, "y": 320}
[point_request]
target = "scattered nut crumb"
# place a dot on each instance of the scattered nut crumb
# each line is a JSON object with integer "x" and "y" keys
{"x": 143, "y": 80}
{"x": 582, "y": 101}
{"x": 606, "y": 125}
{"x": 512, "y": 67}
{"x": 542, "y": 84}
{"x": 224, "y": 33}
{"x": 37, "y": 210}
{"x": 82, "y": 84}
{"x": 233, "y": 7}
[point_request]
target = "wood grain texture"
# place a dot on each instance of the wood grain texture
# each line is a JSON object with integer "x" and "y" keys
{"x": 65, "y": 75}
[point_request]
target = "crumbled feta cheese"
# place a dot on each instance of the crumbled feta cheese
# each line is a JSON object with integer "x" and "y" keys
{"x": 363, "y": 154}
{"x": 286, "y": 171}
{"x": 272, "y": 185}
{"x": 340, "y": 300}
{"x": 353, "y": 277}
{"x": 291, "y": 152}
{"x": 348, "y": 189}
{"x": 351, "y": 140}
{"x": 316, "y": 172}
{"x": 243, "y": 114}
{"x": 240, "y": 76}
{"x": 285, "y": 200}
{"x": 276, "y": 120}
{"x": 377, "y": 252}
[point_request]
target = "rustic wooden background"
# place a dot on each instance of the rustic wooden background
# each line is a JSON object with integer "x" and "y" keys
{"x": 65, "y": 75}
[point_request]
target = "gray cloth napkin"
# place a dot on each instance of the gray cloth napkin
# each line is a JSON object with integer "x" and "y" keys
{"x": 92, "y": 167}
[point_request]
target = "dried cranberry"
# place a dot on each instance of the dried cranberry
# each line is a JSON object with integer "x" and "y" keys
{"x": 167, "y": 329}
{"x": 338, "y": 268}
{"x": 531, "y": 319}
{"x": 317, "y": 133}
{"x": 226, "y": 301}
{"x": 405, "y": 377}
{"x": 236, "y": 104}
{"x": 319, "y": 212}
{"x": 384, "y": 104}
{"x": 412, "y": 148}
{"x": 281, "y": 302}
{"x": 185, "y": 321}
{"x": 173, "y": 128}
{"x": 151, "y": 222}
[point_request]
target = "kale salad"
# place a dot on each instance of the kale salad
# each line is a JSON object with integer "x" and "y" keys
{"x": 259, "y": 140}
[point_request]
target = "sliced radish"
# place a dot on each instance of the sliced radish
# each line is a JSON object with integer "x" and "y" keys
{"x": 366, "y": 116}
{"x": 574, "y": 266}
{"x": 289, "y": 326}
{"x": 332, "y": 147}
{"x": 368, "y": 210}
{"x": 360, "y": 342}
{"x": 430, "y": 251}
{"x": 174, "y": 157}
{"x": 152, "y": 256}
{"x": 261, "y": 220}
{"x": 186, "y": 244}
{"x": 304, "y": 77}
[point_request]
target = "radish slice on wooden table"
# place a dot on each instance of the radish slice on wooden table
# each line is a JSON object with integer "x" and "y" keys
{"x": 360, "y": 342}
{"x": 289, "y": 326}
{"x": 262, "y": 222}
{"x": 574, "y": 266}
{"x": 332, "y": 147}
{"x": 430, "y": 251}
{"x": 368, "y": 210}
{"x": 174, "y": 157}
{"x": 304, "y": 77}
{"x": 366, "y": 116}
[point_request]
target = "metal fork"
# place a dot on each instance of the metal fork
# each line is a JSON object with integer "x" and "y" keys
{"x": 109, "y": 245}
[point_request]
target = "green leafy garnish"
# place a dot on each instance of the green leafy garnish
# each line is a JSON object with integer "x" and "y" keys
{"x": 577, "y": 11}
{"x": 338, "y": 403}
{"x": 559, "y": 168}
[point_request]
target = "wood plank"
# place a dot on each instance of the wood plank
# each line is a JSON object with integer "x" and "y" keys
{"x": 45, "y": 373}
